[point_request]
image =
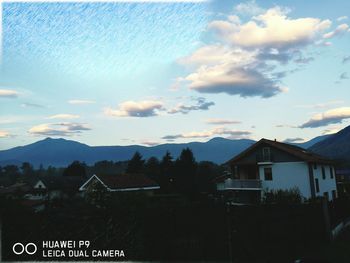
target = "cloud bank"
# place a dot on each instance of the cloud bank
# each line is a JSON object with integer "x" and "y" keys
{"x": 59, "y": 129}
{"x": 205, "y": 134}
{"x": 146, "y": 108}
{"x": 245, "y": 56}
{"x": 7, "y": 93}
{"x": 332, "y": 116}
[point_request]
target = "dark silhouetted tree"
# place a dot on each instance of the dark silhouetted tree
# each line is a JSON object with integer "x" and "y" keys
{"x": 27, "y": 169}
{"x": 152, "y": 169}
{"x": 206, "y": 173}
{"x": 136, "y": 164}
{"x": 76, "y": 168}
{"x": 185, "y": 167}
{"x": 167, "y": 173}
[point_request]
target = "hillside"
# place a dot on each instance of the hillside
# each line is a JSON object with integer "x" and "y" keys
{"x": 336, "y": 146}
{"x": 61, "y": 152}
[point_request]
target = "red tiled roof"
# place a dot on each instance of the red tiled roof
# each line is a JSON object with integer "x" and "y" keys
{"x": 126, "y": 181}
{"x": 291, "y": 149}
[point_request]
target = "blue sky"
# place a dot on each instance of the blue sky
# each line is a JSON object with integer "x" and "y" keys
{"x": 149, "y": 73}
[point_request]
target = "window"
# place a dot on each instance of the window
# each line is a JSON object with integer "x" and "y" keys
{"x": 317, "y": 186}
{"x": 315, "y": 166}
{"x": 334, "y": 194}
{"x": 266, "y": 154}
{"x": 331, "y": 172}
{"x": 268, "y": 174}
{"x": 323, "y": 173}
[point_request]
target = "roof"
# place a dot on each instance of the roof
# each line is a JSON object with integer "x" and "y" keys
{"x": 124, "y": 181}
{"x": 296, "y": 151}
{"x": 62, "y": 182}
{"x": 52, "y": 182}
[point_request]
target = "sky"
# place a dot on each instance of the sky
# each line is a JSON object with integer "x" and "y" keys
{"x": 131, "y": 72}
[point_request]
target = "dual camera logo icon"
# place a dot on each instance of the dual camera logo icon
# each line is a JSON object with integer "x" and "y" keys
{"x": 20, "y": 248}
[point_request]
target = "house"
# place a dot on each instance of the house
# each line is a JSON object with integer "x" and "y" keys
{"x": 343, "y": 181}
{"x": 53, "y": 187}
{"x": 122, "y": 183}
{"x": 270, "y": 165}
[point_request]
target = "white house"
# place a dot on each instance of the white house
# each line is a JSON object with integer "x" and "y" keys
{"x": 270, "y": 165}
{"x": 53, "y": 187}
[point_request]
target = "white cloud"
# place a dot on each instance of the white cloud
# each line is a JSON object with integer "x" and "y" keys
{"x": 146, "y": 108}
{"x": 233, "y": 81}
{"x": 221, "y": 121}
{"x": 7, "y": 93}
{"x": 4, "y": 134}
{"x": 150, "y": 143}
{"x": 332, "y": 116}
{"x": 294, "y": 140}
{"x": 248, "y": 8}
{"x": 332, "y": 130}
{"x": 341, "y": 29}
{"x": 341, "y": 18}
{"x": 111, "y": 1}
{"x": 81, "y": 102}
{"x": 59, "y": 129}
{"x": 64, "y": 116}
{"x": 273, "y": 29}
{"x": 31, "y": 105}
{"x": 321, "y": 105}
{"x": 222, "y": 131}
{"x": 243, "y": 61}
{"x": 201, "y": 104}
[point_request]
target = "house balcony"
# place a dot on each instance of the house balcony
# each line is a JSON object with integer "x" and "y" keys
{"x": 239, "y": 184}
{"x": 261, "y": 158}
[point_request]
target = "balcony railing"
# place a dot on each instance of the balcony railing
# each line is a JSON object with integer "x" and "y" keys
{"x": 242, "y": 184}
{"x": 265, "y": 158}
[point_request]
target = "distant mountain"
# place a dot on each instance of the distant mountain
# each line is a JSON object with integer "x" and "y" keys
{"x": 61, "y": 152}
{"x": 313, "y": 141}
{"x": 336, "y": 146}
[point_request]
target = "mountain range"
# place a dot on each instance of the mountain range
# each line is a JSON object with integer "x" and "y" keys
{"x": 61, "y": 152}
{"x": 336, "y": 146}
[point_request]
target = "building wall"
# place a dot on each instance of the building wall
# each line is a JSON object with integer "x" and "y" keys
{"x": 296, "y": 174}
{"x": 328, "y": 184}
{"x": 286, "y": 176}
{"x": 39, "y": 185}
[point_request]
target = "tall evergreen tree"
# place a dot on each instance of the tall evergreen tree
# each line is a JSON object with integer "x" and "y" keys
{"x": 76, "y": 168}
{"x": 186, "y": 167}
{"x": 152, "y": 169}
{"x": 167, "y": 173}
{"x": 136, "y": 164}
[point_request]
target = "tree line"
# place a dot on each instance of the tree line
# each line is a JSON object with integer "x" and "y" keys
{"x": 181, "y": 175}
